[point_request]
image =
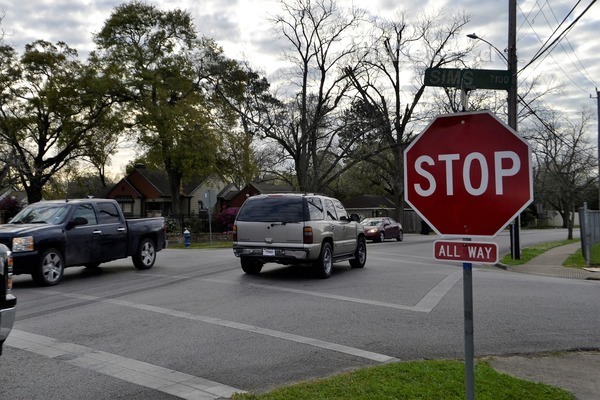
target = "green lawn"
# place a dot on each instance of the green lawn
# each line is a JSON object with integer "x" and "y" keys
{"x": 576, "y": 260}
{"x": 423, "y": 380}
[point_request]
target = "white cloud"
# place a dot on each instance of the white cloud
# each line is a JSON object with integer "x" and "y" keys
{"x": 242, "y": 28}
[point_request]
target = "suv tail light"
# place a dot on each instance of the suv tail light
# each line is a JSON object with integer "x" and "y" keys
{"x": 308, "y": 235}
{"x": 235, "y": 233}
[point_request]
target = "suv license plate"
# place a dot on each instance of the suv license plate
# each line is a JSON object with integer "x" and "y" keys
{"x": 269, "y": 252}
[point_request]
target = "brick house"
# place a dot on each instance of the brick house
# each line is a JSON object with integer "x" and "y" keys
{"x": 252, "y": 189}
{"x": 145, "y": 193}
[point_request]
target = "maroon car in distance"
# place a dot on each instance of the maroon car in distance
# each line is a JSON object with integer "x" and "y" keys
{"x": 379, "y": 229}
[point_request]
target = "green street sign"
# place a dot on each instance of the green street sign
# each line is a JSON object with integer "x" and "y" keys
{"x": 468, "y": 78}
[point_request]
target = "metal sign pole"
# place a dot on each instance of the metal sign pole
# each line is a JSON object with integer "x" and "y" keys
{"x": 469, "y": 346}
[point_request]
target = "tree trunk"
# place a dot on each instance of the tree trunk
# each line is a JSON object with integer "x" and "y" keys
{"x": 175, "y": 187}
{"x": 570, "y": 225}
{"x": 33, "y": 188}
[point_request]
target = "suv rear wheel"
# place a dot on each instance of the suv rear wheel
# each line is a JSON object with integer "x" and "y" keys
{"x": 324, "y": 263}
{"x": 251, "y": 266}
{"x": 360, "y": 255}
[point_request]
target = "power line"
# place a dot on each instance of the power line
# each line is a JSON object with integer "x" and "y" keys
{"x": 537, "y": 54}
{"x": 527, "y": 19}
{"x": 583, "y": 71}
{"x": 547, "y": 48}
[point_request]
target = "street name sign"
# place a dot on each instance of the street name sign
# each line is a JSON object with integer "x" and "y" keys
{"x": 495, "y": 79}
{"x": 478, "y": 252}
{"x": 468, "y": 175}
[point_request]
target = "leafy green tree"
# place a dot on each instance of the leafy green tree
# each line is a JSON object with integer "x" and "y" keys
{"x": 249, "y": 98}
{"x": 163, "y": 69}
{"x": 51, "y": 105}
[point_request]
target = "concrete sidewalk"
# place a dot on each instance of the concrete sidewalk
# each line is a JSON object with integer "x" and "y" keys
{"x": 577, "y": 371}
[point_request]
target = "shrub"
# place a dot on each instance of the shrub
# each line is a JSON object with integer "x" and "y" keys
{"x": 10, "y": 206}
{"x": 226, "y": 218}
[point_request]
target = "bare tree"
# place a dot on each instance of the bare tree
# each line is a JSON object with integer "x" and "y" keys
{"x": 565, "y": 163}
{"x": 308, "y": 125}
{"x": 399, "y": 47}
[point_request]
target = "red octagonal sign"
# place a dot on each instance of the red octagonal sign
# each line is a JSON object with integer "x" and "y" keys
{"x": 468, "y": 175}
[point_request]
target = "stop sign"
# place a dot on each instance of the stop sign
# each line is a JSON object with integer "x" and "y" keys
{"x": 468, "y": 175}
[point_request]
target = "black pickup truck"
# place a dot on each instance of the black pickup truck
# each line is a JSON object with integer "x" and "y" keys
{"x": 7, "y": 300}
{"x": 49, "y": 236}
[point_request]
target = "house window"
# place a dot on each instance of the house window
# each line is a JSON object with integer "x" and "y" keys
{"x": 127, "y": 208}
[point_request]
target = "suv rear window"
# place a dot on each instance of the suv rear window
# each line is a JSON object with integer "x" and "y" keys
{"x": 272, "y": 209}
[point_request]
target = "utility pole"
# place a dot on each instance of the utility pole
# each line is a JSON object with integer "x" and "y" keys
{"x": 515, "y": 248}
{"x": 598, "y": 114}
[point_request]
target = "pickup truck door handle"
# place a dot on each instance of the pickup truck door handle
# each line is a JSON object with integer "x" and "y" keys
{"x": 97, "y": 232}
{"x": 120, "y": 229}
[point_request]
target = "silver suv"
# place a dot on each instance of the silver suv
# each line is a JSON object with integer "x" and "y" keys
{"x": 295, "y": 228}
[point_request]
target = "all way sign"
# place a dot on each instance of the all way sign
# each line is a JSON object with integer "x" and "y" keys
{"x": 479, "y": 252}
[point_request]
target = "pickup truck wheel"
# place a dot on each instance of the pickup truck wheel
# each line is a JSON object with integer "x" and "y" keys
{"x": 146, "y": 255}
{"x": 360, "y": 255}
{"x": 251, "y": 266}
{"x": 324, "y": 265}
{"x": 50, "y": 269}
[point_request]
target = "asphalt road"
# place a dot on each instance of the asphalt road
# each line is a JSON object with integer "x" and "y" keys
{"x": 196, "y": 327}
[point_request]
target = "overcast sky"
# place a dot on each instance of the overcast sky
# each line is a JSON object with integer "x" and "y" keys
{"x": 242, "y": 29}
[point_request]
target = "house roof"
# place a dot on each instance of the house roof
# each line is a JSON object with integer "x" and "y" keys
{"x": 268, "y": 188}
{"x": 201, "y": 182}
{"x": 124, "y": 190}
{"x": 228, "y": 192}
{"x": 369, "y": 201}
{"x": 158, "y": 179}
{"x": 19, "y": 195}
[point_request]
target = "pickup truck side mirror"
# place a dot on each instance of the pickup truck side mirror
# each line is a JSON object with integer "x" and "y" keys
{"x": 76, "y": 222}
{"x": 355, "y": 217}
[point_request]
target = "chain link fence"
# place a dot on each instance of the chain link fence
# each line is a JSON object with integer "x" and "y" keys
{"x": 589, "y": 225}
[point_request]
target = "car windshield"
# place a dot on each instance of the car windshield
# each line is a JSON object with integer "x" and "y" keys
{"x": 371, "y": 222}
{"x": 42, "y": 214}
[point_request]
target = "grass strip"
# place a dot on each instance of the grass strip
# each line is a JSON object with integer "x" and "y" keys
{"x": 202, "y": 245}
{"x": 529, "y": 253}
{"x": 576, "y": 259}
{"x": 423, "y": 380}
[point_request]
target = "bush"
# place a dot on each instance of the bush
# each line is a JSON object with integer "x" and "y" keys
{"x": 226, "y": 218}
{"x": 10, "y": 206}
